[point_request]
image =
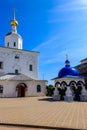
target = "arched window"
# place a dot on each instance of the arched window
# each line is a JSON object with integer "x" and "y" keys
{"x": 38, "y": 88}
{"x": 72, "y": 82}
{"x": 63, "y": 84}
{"x": 80, "y": 84}
{"x": 73, "y": 86}
{"x": 57, "y": 84}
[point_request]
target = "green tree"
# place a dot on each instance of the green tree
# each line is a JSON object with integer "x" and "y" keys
{"x": 50, "y": 90}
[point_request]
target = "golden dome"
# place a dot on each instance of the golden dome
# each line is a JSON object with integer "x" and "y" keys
{"x": 14, "y": 22}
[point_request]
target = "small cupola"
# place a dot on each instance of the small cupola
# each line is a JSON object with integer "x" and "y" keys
{"x": 67, "y": 62}
{"x": 67, "y": 70}
{"x": 13, "y": 39}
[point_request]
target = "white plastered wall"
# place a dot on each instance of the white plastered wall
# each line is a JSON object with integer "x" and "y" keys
{"x": 9, "y": 88}
{"x": 10, "y": 64}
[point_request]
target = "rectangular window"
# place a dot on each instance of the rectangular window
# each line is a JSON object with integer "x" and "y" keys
{"x": 16, "y": 71}
{"x": 8, "y": 44}
{"x": 30, "y": 67}
{"x": 1, "y": 89}
{"x": 14, "y": 43}
{"x": 38, "y": 88}
{"x": 1, "y": 65}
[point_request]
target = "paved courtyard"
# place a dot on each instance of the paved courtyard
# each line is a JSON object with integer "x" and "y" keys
{"x": 43, "y": 112}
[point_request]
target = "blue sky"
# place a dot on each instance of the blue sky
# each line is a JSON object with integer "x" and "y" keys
{"x": 52, "y": 27}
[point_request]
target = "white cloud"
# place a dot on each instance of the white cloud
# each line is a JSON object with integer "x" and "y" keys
{"x": 48, "y": 44}
{"x": 69, "y": 11}
{"x": 55, "y": 51}
{"x": 74, "y": 5}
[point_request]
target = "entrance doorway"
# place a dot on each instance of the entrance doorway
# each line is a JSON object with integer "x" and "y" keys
{"x": 21, "y": 89}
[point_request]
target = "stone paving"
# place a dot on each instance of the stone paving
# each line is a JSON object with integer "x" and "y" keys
{"x": 43, "y": 111}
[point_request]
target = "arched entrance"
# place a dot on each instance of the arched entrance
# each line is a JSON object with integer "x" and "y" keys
{"x": 76, "y": 90}
{"x": 21, "y": 90}
{"x": 62, "y": 89}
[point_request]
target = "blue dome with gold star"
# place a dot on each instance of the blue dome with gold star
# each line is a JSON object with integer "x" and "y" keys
{"x": 68, "y": 71}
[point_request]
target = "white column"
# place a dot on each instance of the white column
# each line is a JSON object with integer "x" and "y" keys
{"x": 69, "y": 95}
{"x": 84, "y": 91}
{"x": 83, "y": 96}
{"x": 56, "y": 95}
{"x": 68, "y": 91}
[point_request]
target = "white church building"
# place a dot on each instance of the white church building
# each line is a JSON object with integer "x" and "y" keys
{"x": 19, "y": 68}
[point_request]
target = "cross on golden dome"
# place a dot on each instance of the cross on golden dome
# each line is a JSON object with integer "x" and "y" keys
{"x": 14, "y": 21}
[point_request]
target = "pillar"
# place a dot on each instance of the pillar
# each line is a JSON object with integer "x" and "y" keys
{"x": 69, "y": 95}
{"x": 56, "y": 95}
{"x": 83, "y": 96}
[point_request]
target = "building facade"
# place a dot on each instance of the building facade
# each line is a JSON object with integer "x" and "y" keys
{"x": 19, "y": 68}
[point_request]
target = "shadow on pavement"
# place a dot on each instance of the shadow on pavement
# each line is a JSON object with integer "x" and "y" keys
{"x": 49, "y": 99}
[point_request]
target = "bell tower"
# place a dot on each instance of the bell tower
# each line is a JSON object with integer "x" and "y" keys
{"x": 13, "y": 39}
